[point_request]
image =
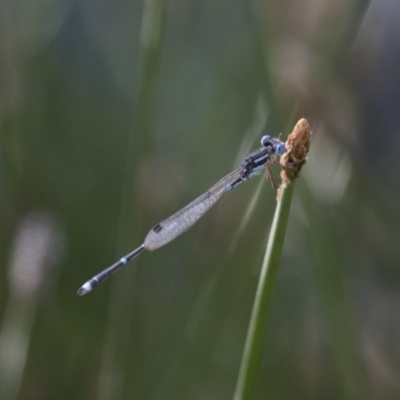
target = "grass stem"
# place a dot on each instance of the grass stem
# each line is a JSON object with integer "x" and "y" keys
{"x": 262, "y": 304}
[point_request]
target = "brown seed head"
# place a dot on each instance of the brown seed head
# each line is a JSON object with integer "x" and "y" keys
{"x": 297, "y": 146}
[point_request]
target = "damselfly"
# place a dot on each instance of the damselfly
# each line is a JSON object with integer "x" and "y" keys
{"x": 172, "y": 227}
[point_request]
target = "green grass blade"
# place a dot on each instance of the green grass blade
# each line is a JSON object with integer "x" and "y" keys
{"x": 262, "y": 304}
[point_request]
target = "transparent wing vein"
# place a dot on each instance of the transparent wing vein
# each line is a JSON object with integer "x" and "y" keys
{"x": 176, "y": 224}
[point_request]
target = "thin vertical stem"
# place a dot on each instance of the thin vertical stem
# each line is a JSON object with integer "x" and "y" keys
{"x": 114, "y": 380}
{"x": 262, "y": 304}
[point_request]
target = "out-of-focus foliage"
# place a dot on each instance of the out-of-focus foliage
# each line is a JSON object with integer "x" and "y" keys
{"x": 114, "y": 115}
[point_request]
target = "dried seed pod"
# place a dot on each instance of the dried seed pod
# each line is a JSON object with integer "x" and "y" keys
{"x": 297, "y": 146}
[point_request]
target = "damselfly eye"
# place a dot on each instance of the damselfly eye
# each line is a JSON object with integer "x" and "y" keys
{"x": 265, "y": 140}
{"x": 280, "y": 149}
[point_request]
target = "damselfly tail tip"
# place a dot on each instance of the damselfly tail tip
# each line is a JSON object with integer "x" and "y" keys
{"x": 84, "y": 289}
{"x": 81, "y": 291}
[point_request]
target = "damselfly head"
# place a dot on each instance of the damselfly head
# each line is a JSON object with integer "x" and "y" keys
{"x": 269, "y": 141}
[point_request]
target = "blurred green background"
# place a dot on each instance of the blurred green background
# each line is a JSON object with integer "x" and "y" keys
{"x": 113, "y": 115}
